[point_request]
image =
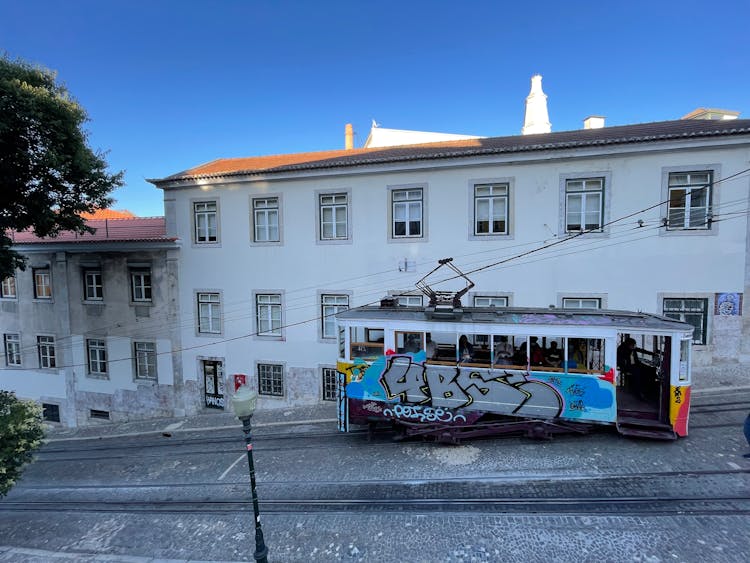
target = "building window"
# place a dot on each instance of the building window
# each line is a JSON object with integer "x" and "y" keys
{"x": 409, "y": 300}
{"x": 93, "y": 289}
{"x": 480, "y": 301}
{"x": 407, "y": 213}
{"x": 12, "y": 349}
{"x": 691, "y": 311}
{"x": 97, "y": 353}
{"x": 42, "y": 283}
{"x": 268, "y": 312}
{"x": 271, "y": 380}
{"x": 584, "y": 204}
{"x": 581, "y": 303}
{"x": 689, "y": 200}
{"x": 334, "y": 216}
{"x": 330, "y": 305}
{"x": 205, "y": 220}
{"x": 50, "y": 412}
{"x": 145, "y": 360}
{"x": 8, "y": 288}
{"x": 266, "y": 219}
{"x": 100, "y": 414}
{"x": 140, "y": 285}
{"x": 46, "y": 349}
{"x": 209, "y": 313}
{"x": 491, "y": 209}
{"x": 330, "y": 378}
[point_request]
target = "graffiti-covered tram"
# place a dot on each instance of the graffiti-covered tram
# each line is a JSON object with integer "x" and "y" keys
{"x": 462, "y": 372}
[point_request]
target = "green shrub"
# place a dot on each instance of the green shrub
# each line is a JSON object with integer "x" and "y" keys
{"x": 21, "y": 432}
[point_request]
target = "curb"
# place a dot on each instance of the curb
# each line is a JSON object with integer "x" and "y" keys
{"x": 191, "y": 429}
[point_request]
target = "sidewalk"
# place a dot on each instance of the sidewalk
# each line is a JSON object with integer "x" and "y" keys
{"x": 324, "y": 413}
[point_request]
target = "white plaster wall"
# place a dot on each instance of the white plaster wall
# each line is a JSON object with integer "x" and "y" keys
{"x": 34, "y": 384}
{"x": 632, "y": 269}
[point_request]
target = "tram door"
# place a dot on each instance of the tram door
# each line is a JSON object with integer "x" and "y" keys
{"x": 213, "y": 384}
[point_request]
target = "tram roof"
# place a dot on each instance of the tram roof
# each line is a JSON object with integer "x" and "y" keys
{"x": 521, "y": 316}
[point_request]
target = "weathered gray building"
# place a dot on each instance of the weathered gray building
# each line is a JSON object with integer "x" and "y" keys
{"x": 91, "y": 327}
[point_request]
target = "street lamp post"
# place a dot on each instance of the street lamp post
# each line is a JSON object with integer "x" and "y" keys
{"x": 243, "y": 403}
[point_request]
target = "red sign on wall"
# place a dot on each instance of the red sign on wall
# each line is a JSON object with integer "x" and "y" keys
{"x": 240, "y": 379}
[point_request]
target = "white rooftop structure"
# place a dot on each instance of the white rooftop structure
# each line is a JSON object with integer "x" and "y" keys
{"x": 382, "y": 137}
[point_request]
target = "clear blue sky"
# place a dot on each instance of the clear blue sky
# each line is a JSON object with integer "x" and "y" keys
{"x": 172, "y": 84}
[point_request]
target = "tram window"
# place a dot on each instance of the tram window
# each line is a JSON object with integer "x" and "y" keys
{"x": 503, "y": 350}
{"x": 366, "y": 343}
{"x": 411, "y": 342}
{"x": 585, "y": 355}
{"x": 479, "y": 352}
{"x": 552, "y": 352}
{"x": 445, "y": 348}
{"x": 685, "y": 360}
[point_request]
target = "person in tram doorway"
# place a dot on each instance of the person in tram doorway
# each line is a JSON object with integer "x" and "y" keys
{"x": 631, "y": 367}
{"x": 747, "y": 433}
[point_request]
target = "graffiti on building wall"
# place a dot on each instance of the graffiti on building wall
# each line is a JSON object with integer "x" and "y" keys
{"x": 408, "y": 379}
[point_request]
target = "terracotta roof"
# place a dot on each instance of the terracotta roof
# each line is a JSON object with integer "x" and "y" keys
{"x": 134, "y": 229}
{"x": 108, "y": 214}
{"x": 625, "y": 134}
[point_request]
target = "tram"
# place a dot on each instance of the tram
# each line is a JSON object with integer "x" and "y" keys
{"x": 447, "y": 372}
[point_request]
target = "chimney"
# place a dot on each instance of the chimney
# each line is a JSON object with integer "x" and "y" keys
{"x": 349, "y": 137}
{"x": 593, "y": 122}
{"x": 536, "y": 118}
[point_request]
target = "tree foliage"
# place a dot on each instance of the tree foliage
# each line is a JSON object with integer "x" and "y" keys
{"x": 48, "y": 173}
{"x": 21, "y": 432}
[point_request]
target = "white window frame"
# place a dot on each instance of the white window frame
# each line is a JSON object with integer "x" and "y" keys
{"x": 688, "y": 188}
{"x": 262, "y": 208}
{"x": 141, "y": 288}
{"x": 329, "y": 383}
{"x": 578, "y": 302}
{"x": 333, "y": 202}
{"x": 498, "y": 195}
{"x": 144, "y": 356}
{"x": 407, "y": 204}
{"x": 490, "y": 301}
{"x": 93, "y": 289}
{"x": 587, "y": 189}
{"x": 46, "y": 352}
{"x": 42, "y": 283}
{"x": 209, "y": 308}
{"x": 206, "y": 222}
{"x": 96, "y": 354}
{"x": 266, "y": 304}
{"x": 12, "y": 346}
{"x": 682, "y": 312}
{"x": 403, "y": 300}
{"x": 330, "y": 305}
{"x": 8, "y": 288}
{"x": 268, "y": 373}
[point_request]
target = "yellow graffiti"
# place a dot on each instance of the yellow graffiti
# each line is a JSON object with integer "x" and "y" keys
{"x": 353, "y": 372}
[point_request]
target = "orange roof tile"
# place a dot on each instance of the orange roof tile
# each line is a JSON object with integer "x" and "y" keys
{"x": 108, "y": 214}
{"x": 132, "y": 229}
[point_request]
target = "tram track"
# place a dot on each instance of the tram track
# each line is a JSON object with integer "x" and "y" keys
{"x": 610, "y": 506}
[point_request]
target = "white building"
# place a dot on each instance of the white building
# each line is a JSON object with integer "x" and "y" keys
{"x": 89, "y": 327}
{"x": 271, "y": 245}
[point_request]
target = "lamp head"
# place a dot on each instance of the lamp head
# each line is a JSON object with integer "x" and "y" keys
{"x": 243, "y": 401}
